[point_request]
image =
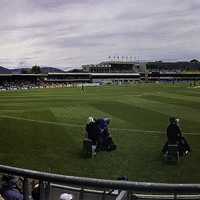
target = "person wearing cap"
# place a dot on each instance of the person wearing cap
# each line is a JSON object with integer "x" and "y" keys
{"x": 66, "y": 196}
{"x": 9, "y": 190}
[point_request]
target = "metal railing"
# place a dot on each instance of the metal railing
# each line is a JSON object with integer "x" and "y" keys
{"x": 48, "y": 180}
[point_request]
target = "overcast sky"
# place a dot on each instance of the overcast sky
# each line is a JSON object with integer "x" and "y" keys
{"x": 68, "y": 33}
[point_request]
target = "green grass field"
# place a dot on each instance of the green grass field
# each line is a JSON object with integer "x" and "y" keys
{"x": 43, "y": 130}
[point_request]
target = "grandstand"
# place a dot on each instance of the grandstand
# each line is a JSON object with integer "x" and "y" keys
{"x": 115, "y": 67}
{"x": 52, "y": 185}
{"x": 115, "y": 78}
{"x": 108, "y": 72}
{"x": 170, "y": 77}
{"x": 173, "y": 67}
{"x": 27, "y": 81}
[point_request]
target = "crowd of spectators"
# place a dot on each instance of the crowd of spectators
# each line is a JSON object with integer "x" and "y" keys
{"x": 11, "y": 188}
{"x": 26, "y": 85}
{"x": 12, "y": 85}
{"x": 15, "y": 85}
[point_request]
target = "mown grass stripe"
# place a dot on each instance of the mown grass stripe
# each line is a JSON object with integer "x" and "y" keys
{"x": 165, "y": 108}
{"x": 82, "y": 126}
{"x": 180, "y": 97}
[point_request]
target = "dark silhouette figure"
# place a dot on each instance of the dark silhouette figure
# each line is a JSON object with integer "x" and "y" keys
{"x": 173, "y": 131}
{"x": 175, "y": 137}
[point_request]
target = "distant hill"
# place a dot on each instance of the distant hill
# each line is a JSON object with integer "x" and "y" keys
{"x": 4, "y": 70}
{"x": 44, "y": 70}
{"x": 75, "y": 71}
{"x": 19, "y": 70}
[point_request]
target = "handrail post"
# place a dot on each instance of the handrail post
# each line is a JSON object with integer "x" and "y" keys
{"x": 42, "y": 190}
{"x": 104, "y": 193}
{"x": 26, "y": 189}
{"x": 175, "y": 195}
{"x": 129, "y": 195}
{"x": 48, "y": 191}
{"x": 81, "y": 193}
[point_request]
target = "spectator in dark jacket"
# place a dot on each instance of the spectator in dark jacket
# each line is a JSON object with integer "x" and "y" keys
{"x": 9, "y": 190}
{"x": 105, "y": 138}
{"x": 92, "y": 131}
{"x": 174, "y": 136}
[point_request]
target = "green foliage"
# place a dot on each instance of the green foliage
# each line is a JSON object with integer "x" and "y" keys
{"x": 44, "y": 130}
{"x": 194, "y": 61}
{"x": 35, "y": 69}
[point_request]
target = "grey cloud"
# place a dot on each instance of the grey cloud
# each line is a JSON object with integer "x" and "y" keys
{"x": 77, "y": 31}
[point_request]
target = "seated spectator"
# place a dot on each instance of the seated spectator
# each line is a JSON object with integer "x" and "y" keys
{"x": 174, "y": 136}
{"x": 98, "y": 133}
{"x": 92, "y": 131}
{"x": 105, "y": 141}
{"x": 9, "y": 190}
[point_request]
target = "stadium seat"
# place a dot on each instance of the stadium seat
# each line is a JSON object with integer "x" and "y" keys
{"x": 172, "y": 154}
{"x": 87, "y": 148}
